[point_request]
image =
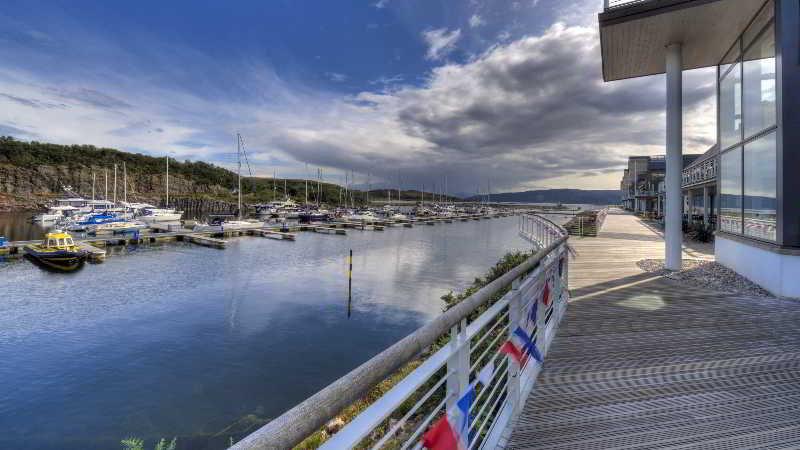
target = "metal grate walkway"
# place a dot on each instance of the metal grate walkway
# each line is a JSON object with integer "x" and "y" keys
{"x": 644, "y": 362}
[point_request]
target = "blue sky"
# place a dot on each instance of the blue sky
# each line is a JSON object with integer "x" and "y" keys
{"x": 418, "y": 90}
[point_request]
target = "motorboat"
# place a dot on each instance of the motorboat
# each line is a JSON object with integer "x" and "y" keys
{"x": 365, "y": 216}
{"x": 398, "y": 216}
{"x": 314, "y": 216}
{"x": 151, "y": 215}
{"x": 222, "y": 223}
{"x": 117, "y": 227}
{"x": 55, "y": 213}
{"x": 57, "y": 251}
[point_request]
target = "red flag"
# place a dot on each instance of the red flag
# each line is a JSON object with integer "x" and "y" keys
{"x": 440, "y": 436}
{"x": 511, "y": 350}
{"x": 546, "y": 294}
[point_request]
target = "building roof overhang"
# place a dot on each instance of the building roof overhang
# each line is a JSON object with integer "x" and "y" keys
{"x": 633, "y": 36}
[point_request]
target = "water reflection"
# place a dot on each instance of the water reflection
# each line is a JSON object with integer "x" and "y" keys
{"x": 182, "y": 340}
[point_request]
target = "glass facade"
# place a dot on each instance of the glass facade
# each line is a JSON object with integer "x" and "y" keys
{"x": 760, "y": 180}
{"x": 747, "y": 122}
{"x": 759, "y": 84}
{"x": 730, "y": 206}
{"x": 730, "y": 107}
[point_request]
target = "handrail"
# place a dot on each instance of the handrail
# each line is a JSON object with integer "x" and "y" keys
{"x": 293, "y": 426}
{"x": 540, "y": 230}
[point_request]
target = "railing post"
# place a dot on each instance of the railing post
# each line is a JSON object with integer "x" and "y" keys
{"x": 458, "y": 363}
{"x": 514, "y": 316}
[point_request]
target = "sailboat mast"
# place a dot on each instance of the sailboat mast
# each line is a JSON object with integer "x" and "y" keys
{"x": 306, "y": 179}
{"x": 319, "y": 186}
{"x": 115, "y": 184}
{"x": 92, "y": 184}
{"x": 105, "y": 176}
{"x": 167, "y": 205}
{"x": 125, "y": 183}
{"x": 239, "y": 173}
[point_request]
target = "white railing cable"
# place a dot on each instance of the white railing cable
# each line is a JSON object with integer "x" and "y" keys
{"x": 449, "y": 369}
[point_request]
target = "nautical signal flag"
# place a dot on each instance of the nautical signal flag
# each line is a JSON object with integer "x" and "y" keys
{"x": 451, "y": 431}
{"x": 532, "y": 315}
{"x": 520, "y": 347}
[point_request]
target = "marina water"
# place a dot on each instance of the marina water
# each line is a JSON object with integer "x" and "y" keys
{"x": 182, "y": 340}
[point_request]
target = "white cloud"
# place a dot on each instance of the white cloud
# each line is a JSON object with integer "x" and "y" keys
{"x": 475, "y": 21}
{"x": 336, "y": 77}
{"x": 528, "y": 113}
{"x": 440, "y": 42}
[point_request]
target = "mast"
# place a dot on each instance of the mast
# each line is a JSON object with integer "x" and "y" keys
{"x": 105, "y": 173}
{"x": 115, "y": 184}
{"x": 306, "y": 179}
{"x": 239, "y": 173}
{"x": 167, "y": 205}
{"x": 125, "y": 183}
{"x": 274, "y": 184}
{"x": 92, "y": 184}
{"x": 319, "y": 186}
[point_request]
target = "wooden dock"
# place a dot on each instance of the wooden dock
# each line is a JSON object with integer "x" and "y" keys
{"x": 642, "y": 361}
{"x": 93, "y": 253}
{"x": 159, "y": 233}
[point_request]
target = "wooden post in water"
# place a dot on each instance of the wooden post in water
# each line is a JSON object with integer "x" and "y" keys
{"x": 349, "y": 283}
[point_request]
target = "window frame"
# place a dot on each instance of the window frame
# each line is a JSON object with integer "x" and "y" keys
{"x": 743, "y": 140}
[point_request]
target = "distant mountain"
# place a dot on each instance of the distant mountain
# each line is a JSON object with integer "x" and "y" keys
{"x": 580, "y": 196}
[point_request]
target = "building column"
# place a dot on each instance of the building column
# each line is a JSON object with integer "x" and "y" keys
{"x": 673, "y": 234}
{"x": 706, "y": 206}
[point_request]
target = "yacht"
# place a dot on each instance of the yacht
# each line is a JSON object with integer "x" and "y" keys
{"x": 151, "y": 215}
{"x": 365, "y": 216}
{"x": 116, "y": 227}
{"x": 55, "y": 213}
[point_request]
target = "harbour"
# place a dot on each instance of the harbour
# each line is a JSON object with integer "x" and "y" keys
{"x": 178, "y": 338}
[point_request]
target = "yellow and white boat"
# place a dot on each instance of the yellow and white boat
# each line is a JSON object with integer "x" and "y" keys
{"x": 57, "y": 251}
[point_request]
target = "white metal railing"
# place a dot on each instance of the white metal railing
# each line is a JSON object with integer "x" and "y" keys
{"x": 540, "y": 230}
{"x": 469, "y": 365}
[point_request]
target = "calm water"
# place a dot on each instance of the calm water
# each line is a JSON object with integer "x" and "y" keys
{"x": 182, "y": 340}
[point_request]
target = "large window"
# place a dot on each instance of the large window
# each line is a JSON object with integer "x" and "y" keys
{"x": 730, "y": 180}
{"x": 759, "y": 84}
{"x": 730, "y": 106}
{"x": 760, "y": 201}
{"x": 747, "y": 121}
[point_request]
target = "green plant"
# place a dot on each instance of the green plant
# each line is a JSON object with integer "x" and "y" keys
{"x": 133, "y": 443}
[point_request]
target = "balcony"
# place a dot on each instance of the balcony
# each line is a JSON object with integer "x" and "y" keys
{"x": 704, "y": 172}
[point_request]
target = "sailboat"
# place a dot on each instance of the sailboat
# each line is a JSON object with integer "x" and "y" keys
{"x": 151, "y": 215}
{"x": 238, "y": 223}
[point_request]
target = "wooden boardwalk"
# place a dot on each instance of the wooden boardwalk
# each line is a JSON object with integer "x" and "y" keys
{"x": 644, "y": 362}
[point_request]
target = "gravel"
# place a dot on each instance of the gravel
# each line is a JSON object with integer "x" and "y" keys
{"x": 707, "y": 274}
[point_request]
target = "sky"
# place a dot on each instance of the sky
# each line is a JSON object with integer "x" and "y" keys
{"x": 483, "y": 94}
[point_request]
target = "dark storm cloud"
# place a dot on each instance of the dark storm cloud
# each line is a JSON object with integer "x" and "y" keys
{"x": 519, "y": 114}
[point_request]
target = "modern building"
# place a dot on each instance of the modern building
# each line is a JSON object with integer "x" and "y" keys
{"x": 642, "y": 185}
{"x": 755, "y": 45}
{"x": 699, "y": 188}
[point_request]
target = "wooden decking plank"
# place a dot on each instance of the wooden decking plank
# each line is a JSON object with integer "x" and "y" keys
{"x": 645, "y": 362}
